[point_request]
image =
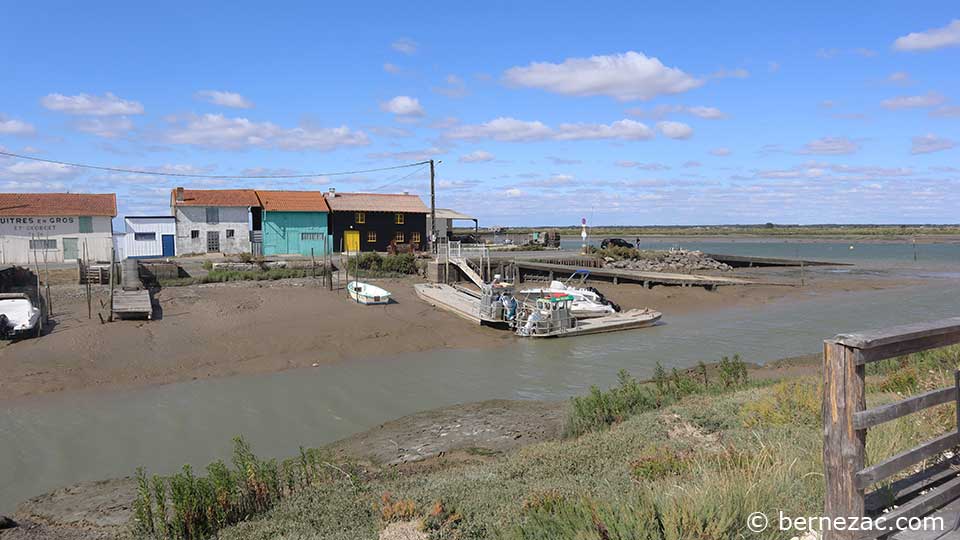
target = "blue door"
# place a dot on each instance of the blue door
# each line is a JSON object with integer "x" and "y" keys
{"x": 168, "y": 244}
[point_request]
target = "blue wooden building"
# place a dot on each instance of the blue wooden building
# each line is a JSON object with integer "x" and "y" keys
{"x": 294, "y": 222}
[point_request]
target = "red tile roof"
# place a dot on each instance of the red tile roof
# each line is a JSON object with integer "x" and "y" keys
{"x": 215, "y": 197}
{"x": 293, "y": 201}
{"x": 58, "y": 204}
{"x": 375, "y": 202}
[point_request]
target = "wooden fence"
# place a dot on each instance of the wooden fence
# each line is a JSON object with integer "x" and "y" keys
{"x": 846, "y": 421}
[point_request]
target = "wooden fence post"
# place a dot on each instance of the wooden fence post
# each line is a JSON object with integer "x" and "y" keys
{"x": 843, "y": 446}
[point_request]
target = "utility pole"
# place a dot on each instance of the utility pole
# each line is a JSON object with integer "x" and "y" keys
{"x": 433, "y": 208}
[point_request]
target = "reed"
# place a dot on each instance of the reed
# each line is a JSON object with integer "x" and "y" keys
{"x": 185, "y": 506}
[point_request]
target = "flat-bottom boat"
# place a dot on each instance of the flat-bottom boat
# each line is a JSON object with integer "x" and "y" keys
{"x": 364, "y": 293}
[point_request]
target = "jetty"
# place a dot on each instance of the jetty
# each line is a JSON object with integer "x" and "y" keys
{"x": 619, "y": 275}
{"x": 457, "y": 300}
{"x": 743, "y": 261}
{"x": 132, "y": 299}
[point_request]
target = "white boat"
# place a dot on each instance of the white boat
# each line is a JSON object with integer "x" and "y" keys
{"x": 364, "y": 293}
{"x": 18, "y": 315}
{"x": 587, "y": 302}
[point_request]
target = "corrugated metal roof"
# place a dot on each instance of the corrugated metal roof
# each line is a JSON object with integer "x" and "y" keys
{"x": 58, "y": 204}
{"x": 215, "y": 197}
{"x": 293, "y": 201}
{"x": 375, "y": 202}
{"x": 446, "y": 213}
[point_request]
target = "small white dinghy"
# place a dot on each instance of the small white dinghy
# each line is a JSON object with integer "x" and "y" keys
{"x": 365, "y": 293}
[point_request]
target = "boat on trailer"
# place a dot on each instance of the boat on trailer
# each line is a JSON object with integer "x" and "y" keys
{"x": 364, "y": 293}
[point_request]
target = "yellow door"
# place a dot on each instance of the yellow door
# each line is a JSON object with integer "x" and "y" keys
{"x": 352, "y": 240}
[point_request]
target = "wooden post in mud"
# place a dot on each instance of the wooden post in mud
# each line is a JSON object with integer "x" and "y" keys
{"x": 86, "y": 280}
{"x": 313, "y": 265}
{"x": 843, "y": 444}
{"x": 113, "y": 263}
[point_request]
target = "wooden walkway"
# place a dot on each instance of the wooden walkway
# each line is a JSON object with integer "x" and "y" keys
{"x": 741, "y": 261}
{"x": 132, "y": 304}
{"x": 444, "y": 296}
{"x": 617, "y": 275}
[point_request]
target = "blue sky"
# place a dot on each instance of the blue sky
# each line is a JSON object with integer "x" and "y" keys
{"x": 542, "y": 113}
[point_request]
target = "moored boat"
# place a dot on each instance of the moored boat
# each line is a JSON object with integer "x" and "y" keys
{"x": 364, "y": 293}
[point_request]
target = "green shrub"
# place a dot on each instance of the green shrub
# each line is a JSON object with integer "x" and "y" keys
{"x": 733, "y": 371}
{"x": 788, "y": 403}
{"x": 657, "y": 463}
{"x": 588, "y": 519}
{"x": 403, "y": 263}
{"x": 600, "y": 409}
{"x": 207, "y": 265}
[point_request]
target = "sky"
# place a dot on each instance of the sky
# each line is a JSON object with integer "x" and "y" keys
{"x": 539, "y": 113}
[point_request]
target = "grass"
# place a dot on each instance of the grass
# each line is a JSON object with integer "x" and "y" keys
{"x": 376, "y": 265}
{"x": 684, "y": 456}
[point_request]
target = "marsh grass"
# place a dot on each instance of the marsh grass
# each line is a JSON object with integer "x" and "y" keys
{"x": 185, "y": 506}
{"x": 223, "y": 276}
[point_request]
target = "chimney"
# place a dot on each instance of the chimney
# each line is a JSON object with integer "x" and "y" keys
{"x": 405, "y": 192}
{"x": 179, "y": 194}
{"x": 333, "y": 192}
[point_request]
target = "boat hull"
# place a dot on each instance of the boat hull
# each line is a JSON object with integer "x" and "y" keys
{"x": 363, "y": 293}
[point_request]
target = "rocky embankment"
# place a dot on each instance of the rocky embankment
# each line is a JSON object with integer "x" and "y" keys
{"x": 674, "y": 260}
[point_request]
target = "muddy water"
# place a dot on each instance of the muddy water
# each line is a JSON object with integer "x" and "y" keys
{"x": 47, "y": 442}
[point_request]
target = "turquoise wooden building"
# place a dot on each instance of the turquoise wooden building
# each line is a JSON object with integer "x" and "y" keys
{"x": 294, "y": 222}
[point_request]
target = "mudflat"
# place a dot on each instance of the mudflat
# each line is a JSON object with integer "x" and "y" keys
{"x": 223, "y": 329}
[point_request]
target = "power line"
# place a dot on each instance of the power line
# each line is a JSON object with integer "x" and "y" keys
{"x": 390, "y": 183}
{"x": 217, "y": 176}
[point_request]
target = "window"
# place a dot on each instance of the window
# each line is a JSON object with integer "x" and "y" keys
{"x": 415, "y": 237}
{"x": 371, "y": 237}
{"x": 43, "y": 244}
{"x": 229, "y": 233}
{"x": 144, "y": 236}
{"x": 195, "y": 234}
{"x": 86, "y": 224}
{"x": 360, "y": 217}
{"x": 398, "y": 219}
{"x": 311, "y": 236}
{"x": 398, "y": 236}
{"x": 213, "y": 215}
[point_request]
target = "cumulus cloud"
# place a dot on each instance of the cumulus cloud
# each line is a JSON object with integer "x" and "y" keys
{"x": 405, "y": 45}
{"x": 109, "y": 127}
{"x": 899, "y": 77}
{"x": 947, "y": 111}
{"x": 936, "y": 38}
{"x": 556, "y": 160}
{"x": 831, "y": 146}
{"x": 391, "y": 68}
{"x": 11, "y": 126}
{"x": 477, "y": 156}
{"x": 931, "y": 99}
{"x": 738, "y": 73}
{"x": 403, "y": 106}
{"x": 722, "y": 151}
{"x": 224, "y": 99}
{"x": 675, "y": 130}
{"x": 926, "y": 144}
{"x": 85, "y": 104}
{"x": 626, "y": 77}
{"x": 218, "y": 131}
{"x": 454, "y": 87}
{"x": 513, "y": 130}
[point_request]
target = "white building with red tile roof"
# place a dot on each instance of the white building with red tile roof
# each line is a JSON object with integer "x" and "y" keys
{"x": 56, "y": 227}
{"x": 214, "y": 220}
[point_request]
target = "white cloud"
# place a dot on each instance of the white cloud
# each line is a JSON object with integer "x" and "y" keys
{"x": 901, "y": 77}
{"x": 85, "y": 104}
{"x": 455, "y": 87}
{"x": 625, "y": 77}
{"x": 642, "y": 165}
{"x": 224, "y": 99}
{"x": 409, "y": 155}
{"x": 937, "y": 38}
{"x": 675, "y": 130}
{"x": 513, "y": 192}
{"x": 660, "y": 111}
{"x": 37, "y": 171}
{"x": 628, "y": 130}
{"x": 722, "y": 151}
{"x": 564, "y": 161}
{"x": 405, "y": 46}
{"x": 403, "y": 106}
{"x": 692, "y": 164}
{"x": 832, "y": 146}
{"x": 477, "y": 156}
{"x": 391, "y": 68}
{"x": 502, "y": 129}
{"x": 738, "y": 73}
{"x": 11, "y": 126}
{"x": 513, "y": 130}
{"x": 105, "y": 127}
{"x": 932, "y": 99}
{"x": 218, "y": 131}
{"x": 930, "y": 143}
{"x": 947, "y": 111}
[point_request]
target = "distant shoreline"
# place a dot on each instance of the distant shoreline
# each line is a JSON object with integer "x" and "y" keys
{"x": 800, "y": 239}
